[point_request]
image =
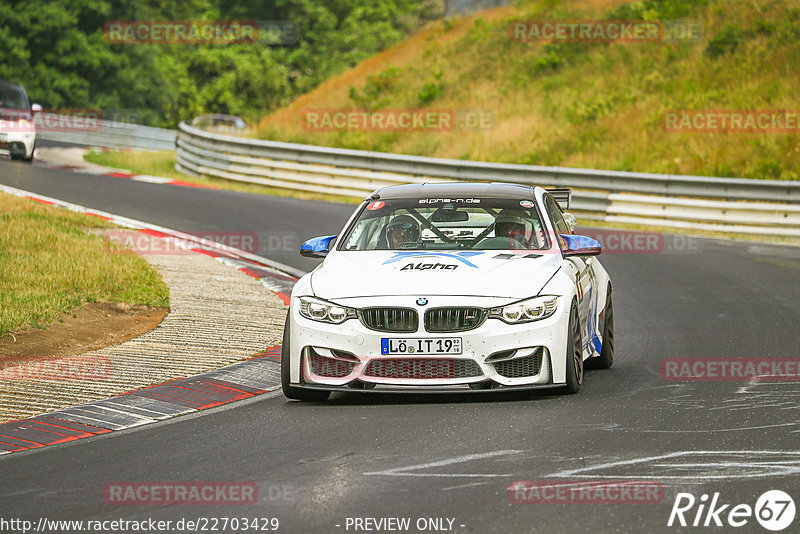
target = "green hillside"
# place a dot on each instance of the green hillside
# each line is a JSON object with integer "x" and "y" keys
{"x": 585, "y": 104}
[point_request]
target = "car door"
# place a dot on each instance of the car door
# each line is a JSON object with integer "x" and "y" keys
{"x": 581, "y": 269}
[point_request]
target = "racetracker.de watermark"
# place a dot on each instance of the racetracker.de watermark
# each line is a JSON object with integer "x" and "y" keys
{"x": 180, "y": 31}
{"x": 396, "y": 120}
{"x": 585, "y": 492}
{"x": 615, "y": 241}
{"x": 731, "y": 121}
{"x": 605, "y": 31}
{"x": 730, "y": 369}
{"x": 270, "y": 32}
{"x": 69, "y": 368}
{"x": 51, "y": 120}
{"x": 144, "y": 242}
{"x": 181, "y": 493}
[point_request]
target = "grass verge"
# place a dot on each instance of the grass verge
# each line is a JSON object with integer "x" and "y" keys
{"x": 50, "y": 265}
{"x": 162, "y": 163}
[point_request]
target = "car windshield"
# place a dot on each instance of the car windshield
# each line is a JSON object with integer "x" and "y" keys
{"x": 13, "y": 98}
{"x": 462, "y": 223}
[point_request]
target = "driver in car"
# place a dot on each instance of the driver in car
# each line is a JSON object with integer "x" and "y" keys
{"x": 512, "y": 226}
{"x": 403, "y": 230}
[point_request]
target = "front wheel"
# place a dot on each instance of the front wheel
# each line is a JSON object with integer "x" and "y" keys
{"x": 574, "y": 354}
{"x": 290, "y": 391}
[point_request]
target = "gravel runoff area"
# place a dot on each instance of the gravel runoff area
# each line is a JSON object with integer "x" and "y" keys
{"x": 218, "y": 315}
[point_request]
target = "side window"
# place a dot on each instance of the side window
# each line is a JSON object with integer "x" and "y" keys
{"x": 12, "y": 98}
{"x": 366, "y": 234}
{"x": 558, "y": 219}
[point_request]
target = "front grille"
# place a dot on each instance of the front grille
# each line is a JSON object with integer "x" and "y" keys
{"x": 390, "y": 319}
{"x": 329, "y": 367}
{"x": 422, "y": 368}
{"x": 453, "y": 319}
{"x": 520, "y": 367}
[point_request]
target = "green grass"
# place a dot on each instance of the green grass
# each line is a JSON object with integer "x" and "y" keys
{"x": 162, "y": 163}
{"x": 154, "y": 163}
{"x": 50, "y": 264}
{"x": 589, "y": 105}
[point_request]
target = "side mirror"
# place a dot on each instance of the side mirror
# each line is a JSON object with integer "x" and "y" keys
{"x": 580, "y": 245}
{"x": 571, "y": 221}
{"x": 317, "y": 247}
{"x": 36, "y": 108}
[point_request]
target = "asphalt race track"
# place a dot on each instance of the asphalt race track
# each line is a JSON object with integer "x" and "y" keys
{"x": 320, "y": 466}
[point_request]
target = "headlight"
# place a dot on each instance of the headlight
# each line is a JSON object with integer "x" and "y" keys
{"x": 326, "y": 312}
{"x": 526, "y": 310}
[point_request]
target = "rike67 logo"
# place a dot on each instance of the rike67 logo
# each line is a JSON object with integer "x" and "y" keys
{"x": 774, "y": 510}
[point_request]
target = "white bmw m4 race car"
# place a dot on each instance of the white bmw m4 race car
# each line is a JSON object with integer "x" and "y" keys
{"x": 448, "y": 287}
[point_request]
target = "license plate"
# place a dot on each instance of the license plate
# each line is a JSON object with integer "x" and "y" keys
{"x": 438, "y": 345}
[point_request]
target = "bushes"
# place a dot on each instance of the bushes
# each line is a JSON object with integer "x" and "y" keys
{"x": 724, "y": 42}
{"x": 70, "y": 64}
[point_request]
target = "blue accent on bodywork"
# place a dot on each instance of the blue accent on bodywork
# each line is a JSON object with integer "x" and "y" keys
{"x": 592, "y": 294}
{"x": 577, "y": 242}
{"x": 596, "y": 344}
{"x": 318, "y": 244}
{"x": 460, "y": 256}
{"x": 591, "y": 327}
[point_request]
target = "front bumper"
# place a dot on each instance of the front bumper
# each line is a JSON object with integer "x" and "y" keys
{"x": 494, "y": 355}
{"x": 17, "y": 144}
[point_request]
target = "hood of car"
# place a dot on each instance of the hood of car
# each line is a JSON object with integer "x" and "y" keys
{"x": 489, "y": 273}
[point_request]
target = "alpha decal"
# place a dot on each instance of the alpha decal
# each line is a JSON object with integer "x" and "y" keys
{"x": 429, "y": 267}
{"x": 462, "y": 257}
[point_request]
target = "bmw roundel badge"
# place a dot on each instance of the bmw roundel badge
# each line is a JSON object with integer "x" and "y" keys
{"x": 422, "y": 301}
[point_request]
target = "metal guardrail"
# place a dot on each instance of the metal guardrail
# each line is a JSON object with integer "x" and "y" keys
{"x": 112, "y": 134}
{"x": 697, "y": 202}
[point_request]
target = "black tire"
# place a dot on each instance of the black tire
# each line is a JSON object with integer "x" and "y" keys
{"x": 309, "y": 395}
{"x": 23, "y": 158}
{"x": 606, "y": 358}
{"x": 574, "y": 354}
